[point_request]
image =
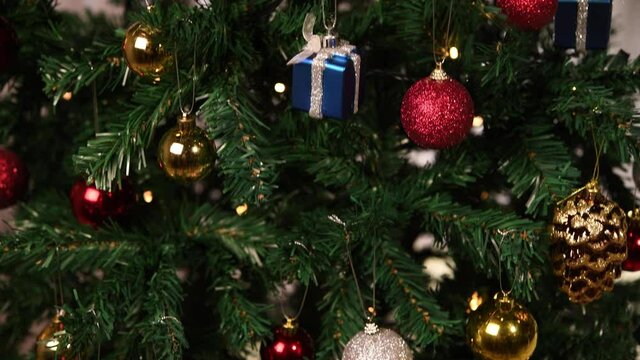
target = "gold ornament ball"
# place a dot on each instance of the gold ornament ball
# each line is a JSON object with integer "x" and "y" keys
{"x": 49, "y": 342}
{"x": 145, "y": 55}
{"x": 588, "y": 244}
{"x": 185, "y": 152}
{"x": 501, "y": 329}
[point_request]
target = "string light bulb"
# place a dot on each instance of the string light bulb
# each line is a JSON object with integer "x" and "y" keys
{"x": 454, "y": 53}
{"x": 67, "y": 95}
{"x": 242, "y": 209}
{"x": 478, "y": 121}
{"x": 147, "y": 196}
{"x": 279, "y": 87}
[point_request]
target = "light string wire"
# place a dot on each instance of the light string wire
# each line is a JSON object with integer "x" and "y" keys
{"x": 333, "y": 19}
{"x": 433, "y": 32}
{"x": 371, "y": 313}
{"x": 188, "y": 111}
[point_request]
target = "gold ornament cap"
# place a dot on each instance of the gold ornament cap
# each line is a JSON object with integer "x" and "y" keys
{"x": 290, "y": 327}
{"x": 438, "y": 73}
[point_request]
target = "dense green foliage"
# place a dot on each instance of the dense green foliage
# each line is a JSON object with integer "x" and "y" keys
{"x": 185, "y": 277}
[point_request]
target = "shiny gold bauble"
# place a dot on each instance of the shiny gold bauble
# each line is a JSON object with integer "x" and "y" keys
{"x": 49, "y": 342}
{"x": 185, "y": 152}
{"x": 588, "y": 244}
{"x": 501, "y": 329}
{"x": 145, "y": 55}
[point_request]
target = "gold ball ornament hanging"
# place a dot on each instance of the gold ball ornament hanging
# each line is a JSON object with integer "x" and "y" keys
{"x": 588, "y": 244}
{"x": 185, "y": 152}
{"x": 145, "y": 55}
{"x": 502, "y": 329}
{"x": 49, "y": 344}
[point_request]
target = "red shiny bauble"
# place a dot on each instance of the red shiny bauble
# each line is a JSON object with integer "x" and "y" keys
{"x": 8, "y": 46}
{"x": 437, "y": 113}
{"x": 14, "y": 178}
{"x": 92, "y": 206}
{"x": 288, "y": 343}
{"x": 529, "y": 14}
{"x": 633, "y": 244}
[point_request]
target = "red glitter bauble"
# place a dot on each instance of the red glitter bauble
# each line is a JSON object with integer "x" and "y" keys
{"x": 92, "y": 206}
{"x": 633, "y": 244}
{"x": 437, "y": 112}
{"x": 8, "y": 46}
{"x": 529, "y": 14}
{"x": 14, "y": 178}
{"x": 288, "y": 343}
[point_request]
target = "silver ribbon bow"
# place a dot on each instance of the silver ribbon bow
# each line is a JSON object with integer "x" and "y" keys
{"x": 314, "y": 46}
{"x": 581, "y": 25}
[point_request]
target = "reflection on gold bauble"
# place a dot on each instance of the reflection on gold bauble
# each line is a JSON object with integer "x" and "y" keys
{"x": 145, "y": 55}
{"x": 501, "y": 329}
{"x": 49, "y": 342}
{"x": 588, "y": 244}
{"x": 185, "y": 152}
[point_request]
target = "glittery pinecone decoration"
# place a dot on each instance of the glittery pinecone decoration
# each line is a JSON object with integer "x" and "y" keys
{"x": 588, "y": 244}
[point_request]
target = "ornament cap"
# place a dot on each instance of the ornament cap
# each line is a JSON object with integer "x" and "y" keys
{"x": 329, "y": 41}
{"x": 290, "y": 327}
{"x": 371, "y": 328}
{"x": 438, "y": 73}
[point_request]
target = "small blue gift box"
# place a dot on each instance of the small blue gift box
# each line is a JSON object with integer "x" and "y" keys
{"x": 328, "y": 83}
{"x": 590, "y": 19}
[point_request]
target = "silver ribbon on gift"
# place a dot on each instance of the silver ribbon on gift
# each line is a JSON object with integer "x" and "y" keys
{"x": 581, "y": 26}
{"x": 314, "y": 46}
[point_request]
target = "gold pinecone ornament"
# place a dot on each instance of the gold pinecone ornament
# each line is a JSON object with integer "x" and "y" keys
{"x": 588, "y": 244}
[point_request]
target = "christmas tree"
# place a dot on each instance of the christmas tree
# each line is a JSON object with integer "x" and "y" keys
{"x": 172, "y": 189}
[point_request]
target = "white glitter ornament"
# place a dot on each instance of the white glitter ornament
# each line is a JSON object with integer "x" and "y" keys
{"x": 377, "y": 344}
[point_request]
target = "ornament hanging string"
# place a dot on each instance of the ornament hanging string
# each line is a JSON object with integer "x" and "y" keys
{"x": 593, "y": 183}
{"x": 187, "y": 111}
{"x": 439, "y": 62}
{"x": 371, "y": 311}
{"x": 304, "y": 296}
{"x": 333, "y": 19}
{"x": 498, "y": 248}
{"x": 96, "y": 119}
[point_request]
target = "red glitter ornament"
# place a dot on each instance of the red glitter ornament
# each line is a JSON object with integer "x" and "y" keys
{"x": 633, "y": 243}
{"x": 529, "y": 14}
{"x": 92, "y": 206}
{"x": 8, "y": 46}
{"x": 14, "y": 178}
{"x": 437, "y": 112}
{"x": 290, "y": 342}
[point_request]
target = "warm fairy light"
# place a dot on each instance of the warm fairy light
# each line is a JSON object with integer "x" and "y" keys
{"x": 475, "y": 301}
{"x": 574, "y": 88}
{"x": 478, "y": 121}
{"x": 453, "y": 52}
{"x": 242, "y": 209}
{"x": 147, "y": 196}
{"x": 52, "y": 345}
{"x": 68, "y": 95}
{"x": 279, "y": 87}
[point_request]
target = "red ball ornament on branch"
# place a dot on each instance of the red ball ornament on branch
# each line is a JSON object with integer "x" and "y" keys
{"x": 437, "y": 111}
{"x": 92, "y": 206}
{"x": 290, "y": 342}
{"x": 529, "y": 14}
{"x": 14, "y": 178}
{"x": 633, "y": 242}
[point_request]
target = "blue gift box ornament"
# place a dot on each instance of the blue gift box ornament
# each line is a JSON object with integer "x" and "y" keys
{"x": 326, "y": 76}
{"x": 583, "y": 24}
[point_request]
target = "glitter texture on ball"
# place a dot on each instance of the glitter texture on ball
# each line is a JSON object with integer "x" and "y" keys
{"x": 437, "y": 112}
{"x": 385, "y": 344}
{"x": 529, "y": 14}
{"x": 14, "y": 178}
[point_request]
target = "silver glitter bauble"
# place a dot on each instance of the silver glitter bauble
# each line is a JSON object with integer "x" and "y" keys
{"x": 383, "y": 344}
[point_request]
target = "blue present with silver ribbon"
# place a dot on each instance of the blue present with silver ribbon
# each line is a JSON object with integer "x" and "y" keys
{"x": 583, "y": 24}
{"x": 326, "y": 76}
